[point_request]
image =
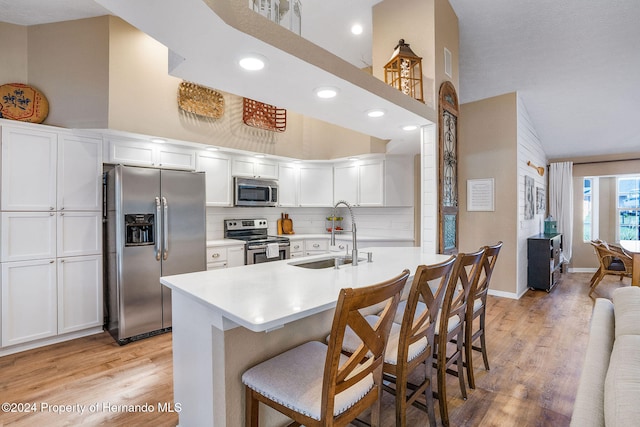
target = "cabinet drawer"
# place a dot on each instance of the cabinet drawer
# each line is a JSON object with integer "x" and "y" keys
{"x": 216, "y": 254}
{"x": 316, "y": 245}
{"x": 297, "y": 247}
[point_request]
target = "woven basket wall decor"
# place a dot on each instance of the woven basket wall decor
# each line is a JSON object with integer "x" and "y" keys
{"x": 200, "y": 100}
{"x": 264, "y": 116}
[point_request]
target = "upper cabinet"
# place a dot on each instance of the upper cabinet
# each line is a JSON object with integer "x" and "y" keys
{"x": 316, "y": 185}
{"x": 288, "y": 184}
{"x": 217, "y": 168}
{"x": 135, "y": 152}
{"x": 34, "y": 161}
{"x": 255, "y": 167}
{"x": 360, "y": 183}
{"x": 79, "y": 173}
{"x": 387, "y": 181}
{"x": 28, "y": 169}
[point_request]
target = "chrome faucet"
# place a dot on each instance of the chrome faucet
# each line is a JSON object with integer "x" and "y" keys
{"x": 354, "y": 249}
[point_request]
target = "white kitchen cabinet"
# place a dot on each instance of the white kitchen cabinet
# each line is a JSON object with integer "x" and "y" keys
{"x": 288, "y": 184}
{"x": 28, "y": 236}
{"x": 79, "y": 293}
{"x": 235, "y": 256}
{"x": 345, "y": 182}
{"x": 79, "y": 233}
{"x": 360, "y": 183}
{"x": 316, "y": 246}
{"x": 28, "y": 169}
{"x": 217, "y": 168}
{"x": 136, "y": 152}
{"x": 296, "y": 249}
{"x": 225, "y": 256}
{"x": 398, "y": 180}
{"x": 174, "y": 157}
{"x": 254, "y": 167}
{"x": 79, "y": 172}
{"x": 29, "y": 301}
{"x": 316, "y": 185}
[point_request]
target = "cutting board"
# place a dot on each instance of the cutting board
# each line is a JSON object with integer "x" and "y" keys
{"x": 287, "y": 225}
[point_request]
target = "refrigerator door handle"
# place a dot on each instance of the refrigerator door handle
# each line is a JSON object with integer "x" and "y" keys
{"x": 158, "y": 232}
{"x": 165, "y": 233}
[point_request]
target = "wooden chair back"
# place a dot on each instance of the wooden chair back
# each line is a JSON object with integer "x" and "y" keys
{"x": 607, "y": 253}
{"x": 339, "y": 377}
{"x": 465, "y": 276}
{"x": 414, "y": 328}
{"x": 482, "y": 288}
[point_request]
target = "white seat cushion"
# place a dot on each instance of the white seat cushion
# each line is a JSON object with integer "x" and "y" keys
{"x": 402, "y": 306}
{"x": 352, "y": 342}
{"x": 294, "y": 379}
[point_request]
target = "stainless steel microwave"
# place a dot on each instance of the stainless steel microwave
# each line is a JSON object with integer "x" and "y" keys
{"x": 255, "y": 192}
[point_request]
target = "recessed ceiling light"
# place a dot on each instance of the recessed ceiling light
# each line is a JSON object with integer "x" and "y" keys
{"x": 326, "y": 92}
{"x": 376, "y": 113}
{"x": 409, "y": 128}
{"x": 253, "y": 62}
{"x": 212, "y": 148}
{"x": 158, "y": 140}
{"x": 356, "y": 29}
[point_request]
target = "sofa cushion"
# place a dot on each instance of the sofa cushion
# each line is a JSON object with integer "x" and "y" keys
{"x": 588, "y": 408}
{"x": 622, "y": 386}
{"x": 627, "y": 308}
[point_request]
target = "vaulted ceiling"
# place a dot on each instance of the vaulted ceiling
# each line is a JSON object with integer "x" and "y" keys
{"x": 573, "y": 62}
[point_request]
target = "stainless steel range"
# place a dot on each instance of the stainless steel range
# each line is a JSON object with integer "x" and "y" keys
{"x": 260, "y": 247}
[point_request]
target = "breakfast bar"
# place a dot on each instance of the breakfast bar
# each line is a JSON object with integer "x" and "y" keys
{"x": 225, "y": 321}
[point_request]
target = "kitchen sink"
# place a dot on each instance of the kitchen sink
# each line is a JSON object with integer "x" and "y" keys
{"x": 325, "y": 262}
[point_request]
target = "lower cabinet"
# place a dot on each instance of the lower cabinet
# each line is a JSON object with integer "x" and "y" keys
{"x": 79, "y": 293}
{"x": 316, "y": 246}
{"x": 45, "y": 298}
{"x": 29, "y": 301}
{"x": 225, "y": 256}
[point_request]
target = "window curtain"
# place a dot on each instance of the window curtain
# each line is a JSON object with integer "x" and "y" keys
{"x": 561, "y": 202}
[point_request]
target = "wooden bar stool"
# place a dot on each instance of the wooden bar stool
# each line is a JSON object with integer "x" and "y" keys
{"x": 476, "y": 308}
{"x": 450, "y": 328}
{"x": 411, "y": 342}
{"x": 315, "y": 384}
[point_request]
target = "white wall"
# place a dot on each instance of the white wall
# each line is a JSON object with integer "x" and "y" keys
{"x": 374, "y": 222}
{"x": 529, "y": 149}
{"x": 429, "y": 180}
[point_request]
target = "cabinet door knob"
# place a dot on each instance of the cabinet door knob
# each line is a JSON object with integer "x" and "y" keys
{"x": 316, "y": 245}
{"x": 216, "y": 255}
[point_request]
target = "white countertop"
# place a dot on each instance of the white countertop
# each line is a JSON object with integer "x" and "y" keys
{"x": 347, "y": 236}
{"x": 265, "y": 296}
{"x": 225, "y": 242}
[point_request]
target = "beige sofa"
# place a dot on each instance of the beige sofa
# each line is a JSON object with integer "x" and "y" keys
{"x": 609, "y": 388}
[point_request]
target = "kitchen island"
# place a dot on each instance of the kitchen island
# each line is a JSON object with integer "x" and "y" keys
{"x": 225, "y": 321}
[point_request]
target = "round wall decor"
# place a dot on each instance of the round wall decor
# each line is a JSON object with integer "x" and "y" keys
{"x": 23, "y": 102}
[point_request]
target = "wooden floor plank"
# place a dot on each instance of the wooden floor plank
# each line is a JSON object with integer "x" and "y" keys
{"x": 535, "y": 344}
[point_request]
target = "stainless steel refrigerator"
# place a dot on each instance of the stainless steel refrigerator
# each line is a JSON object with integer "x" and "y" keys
{"x": 155, "y": 226}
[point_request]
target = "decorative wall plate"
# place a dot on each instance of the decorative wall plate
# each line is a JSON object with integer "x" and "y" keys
{"x": 264, "y": 116}
{"x": 200, "y": 100}
{"x": 23, "y": 102}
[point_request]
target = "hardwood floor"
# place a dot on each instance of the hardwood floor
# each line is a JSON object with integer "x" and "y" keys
{"x": 535, "y": 347}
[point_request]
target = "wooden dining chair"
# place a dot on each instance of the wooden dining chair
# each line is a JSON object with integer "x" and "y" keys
{"x": 450, "y": 325}
{"x": 476, "y": 309}
{"x": 314, "y": 384}
{"x": 613, "y": 261}
{"x": 410, "y": 344}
